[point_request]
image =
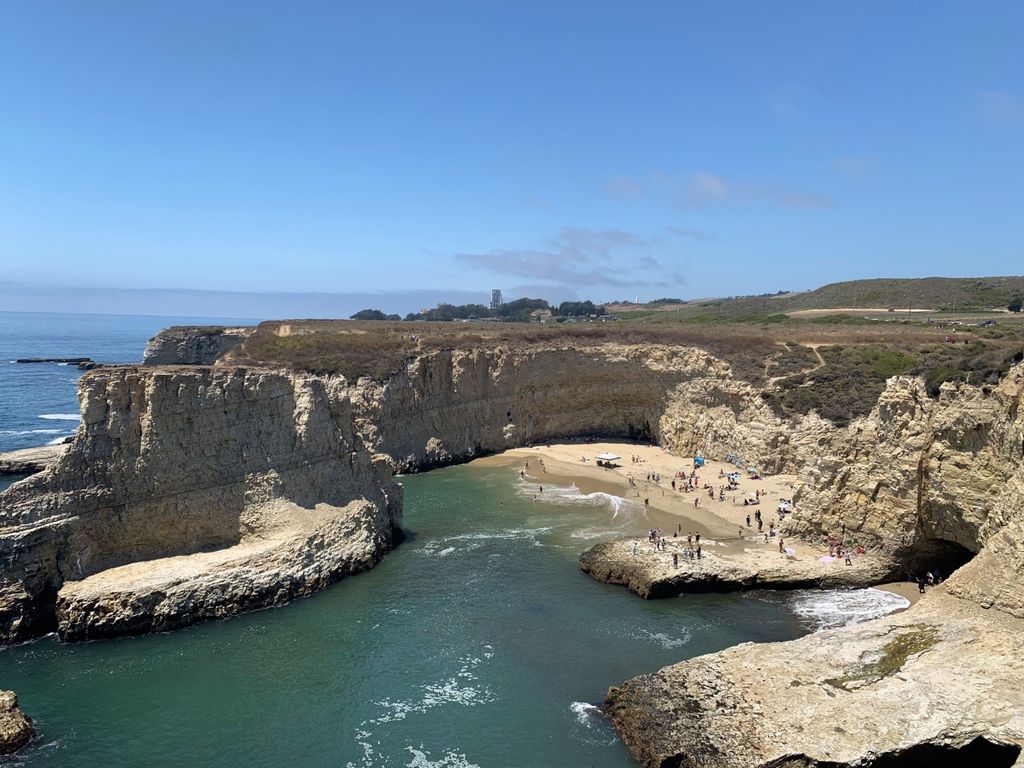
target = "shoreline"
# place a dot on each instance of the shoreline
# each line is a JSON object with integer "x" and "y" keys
{"x": 668, "y": 509}
{"x": 720, "y": 523}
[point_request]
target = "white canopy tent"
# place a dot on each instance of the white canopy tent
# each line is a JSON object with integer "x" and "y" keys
{"x": 608, "y": 457}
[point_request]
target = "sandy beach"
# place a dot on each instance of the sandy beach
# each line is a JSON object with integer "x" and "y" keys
{"x": 563, "y": 464}
{"x": 720, "y": 522}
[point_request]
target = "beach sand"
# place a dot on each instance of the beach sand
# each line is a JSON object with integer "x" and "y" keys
{"x": 672, "y": 511}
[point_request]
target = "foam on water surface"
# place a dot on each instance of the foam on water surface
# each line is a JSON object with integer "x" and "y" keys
{"x": 839, "y": 607}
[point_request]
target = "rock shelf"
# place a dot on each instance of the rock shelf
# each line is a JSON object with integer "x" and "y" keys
{"x": 724, "y": 568}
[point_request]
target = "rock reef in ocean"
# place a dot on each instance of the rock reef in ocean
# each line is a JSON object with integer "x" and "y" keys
{"x": 16, "y": 729}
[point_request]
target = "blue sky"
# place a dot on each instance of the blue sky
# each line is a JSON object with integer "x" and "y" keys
{"x": 596, "y": 149}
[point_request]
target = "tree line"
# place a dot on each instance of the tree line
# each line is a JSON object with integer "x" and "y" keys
{"x": 518, "y": 310}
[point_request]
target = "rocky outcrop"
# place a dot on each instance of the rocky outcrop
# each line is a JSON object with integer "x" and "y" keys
{"x": 938, "y": 684}
{"x": 26, "y": 461}
{"x": 15, "y": 728}
{"x": 205, "y": 463}
{"x": 185, "y": 345}
{"x": 725, "y": 568}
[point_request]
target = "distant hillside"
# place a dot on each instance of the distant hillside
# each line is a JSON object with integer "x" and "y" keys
{"x": 942, "y": 293}
{"x": 935, "y": 293}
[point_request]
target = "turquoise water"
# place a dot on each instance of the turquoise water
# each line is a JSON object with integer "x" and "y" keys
{"x": 478, "y": 642}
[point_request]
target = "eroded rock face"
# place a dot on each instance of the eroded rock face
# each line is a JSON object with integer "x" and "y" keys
{"x": 451, "y": 406}
{"x": 192, "y": 346}
{"x": 15, "y": 728}
{"x": 942, "y": 674}
{"x": 181, "y": 461}
{"x": 916, "y": 476}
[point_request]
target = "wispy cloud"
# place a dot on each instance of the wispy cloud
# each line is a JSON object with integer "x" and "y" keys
{"x": 1000, "y": 108}
{"x": 579, "y": 256}
{"x": 689, "y": 233}
{"x": 704, "y": 189}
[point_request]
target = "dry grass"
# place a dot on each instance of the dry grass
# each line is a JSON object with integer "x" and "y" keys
{"x": 858, "y": 357}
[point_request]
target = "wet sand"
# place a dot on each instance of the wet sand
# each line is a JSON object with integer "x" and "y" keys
{"x": 671, "y": 510}
{"x": 903, "y": 589}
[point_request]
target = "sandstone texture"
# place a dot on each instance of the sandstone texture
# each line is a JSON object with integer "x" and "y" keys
{"x": 183, "y": 345}
{"x": 915, "y": 686}
{"x": 193, "y": 492}
{"x": 448, "y": 407}
{"x": 15, "y": 728}
{"x": 725, "y": 568}
{"x": 228, "y": 466}
{"x": 938, "y": 684}
{"x": 26, "y": 461}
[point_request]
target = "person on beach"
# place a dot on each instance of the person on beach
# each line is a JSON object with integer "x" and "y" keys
{"x": 848, "y": 560}
{"x": 675, "y": 559}
{"x": 697, "y": 538}
{"x": 634, "y": 549}
{"x": 696, "y": 502}
{"x": 698, "y": 551}
{"x": 782, "y": 545}
{"x": 748, "y": 521}
{"x": 689, "y": 539}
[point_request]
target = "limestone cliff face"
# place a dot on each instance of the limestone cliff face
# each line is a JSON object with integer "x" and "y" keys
{"x": 180, "y": 461}
{"x": 192, "y": 346}
{"x": 450, "y": 406}
{"x": 935, "y": 684}
{"x": 920, "y": 473}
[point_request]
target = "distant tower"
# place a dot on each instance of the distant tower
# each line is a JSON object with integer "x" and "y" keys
{"x": 495, "y": 298}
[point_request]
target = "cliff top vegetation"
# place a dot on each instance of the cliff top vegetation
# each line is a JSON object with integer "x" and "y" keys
{"x": 835, "y": 368}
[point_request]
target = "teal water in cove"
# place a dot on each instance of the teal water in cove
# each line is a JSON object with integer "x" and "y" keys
{"x": 477, "y": 642}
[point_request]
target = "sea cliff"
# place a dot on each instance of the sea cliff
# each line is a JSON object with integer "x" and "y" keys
{"x": 920, "y": 479}
{"x": 228, "y": 468}
{"x": 195, "y": 492}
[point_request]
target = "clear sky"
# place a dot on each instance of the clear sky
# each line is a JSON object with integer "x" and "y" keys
{"x": 598, "y": 149}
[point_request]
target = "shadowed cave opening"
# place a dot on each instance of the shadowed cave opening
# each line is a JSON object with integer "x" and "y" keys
{"x": 936, "y": 556}
{"x": 981, "y": 751}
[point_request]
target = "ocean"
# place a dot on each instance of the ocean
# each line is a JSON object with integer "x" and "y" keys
{"x": 38, "y": 402}
{"x": 477, "y": 643}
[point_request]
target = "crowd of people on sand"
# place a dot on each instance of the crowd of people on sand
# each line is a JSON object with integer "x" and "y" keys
{"x": 687, "y": 481}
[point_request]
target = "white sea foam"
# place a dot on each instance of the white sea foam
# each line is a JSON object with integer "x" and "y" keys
{"x": 571, "y": 495}
{"x": 586, "y": 714}
{"x": 839, "y": 607}
{"x": 597, "y": 729}
{"x": 31, "y": 431}
{"x": 448, "y": 759}
{"x": 664, "y": 639}
{"x": 470, "y": 541}
{"x": 60, "y": 416}
{"x": 57, "y": 440}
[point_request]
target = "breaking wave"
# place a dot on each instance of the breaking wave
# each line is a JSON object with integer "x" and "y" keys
{"x": 839, "y": 607}
{"x": 60, "y": 416}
